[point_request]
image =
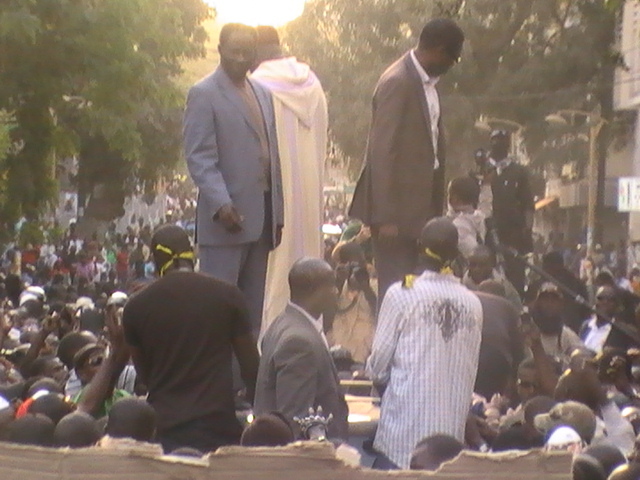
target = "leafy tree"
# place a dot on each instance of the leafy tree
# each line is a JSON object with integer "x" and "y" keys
{"x": 522, "y": 61}
{"x": 94, "y": 79}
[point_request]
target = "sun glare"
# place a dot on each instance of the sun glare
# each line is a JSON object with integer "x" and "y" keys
{"x": 258, "y": 12}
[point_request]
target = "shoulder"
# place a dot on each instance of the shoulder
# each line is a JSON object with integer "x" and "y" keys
{"x": 289, "y": 338}
{"x": 144, "y": 296}
{"x": 395, "y": 78}
{"x": 261, "y": 91}
{"x": 205, "y": 84}
{"x": 402, "y": 291}
{"x": 570, "y": 335}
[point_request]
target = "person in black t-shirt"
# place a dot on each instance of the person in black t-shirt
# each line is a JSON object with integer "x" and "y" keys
{"x": 513, "y": 206}
{"x": 183, "y": 330}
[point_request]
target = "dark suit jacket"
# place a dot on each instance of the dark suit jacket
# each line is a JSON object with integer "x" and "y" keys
{"x": 616, "y": 338}
{"x": 297, "y": 373}
{"x": 502, "y": 348}
{"x": 397, "y": 185}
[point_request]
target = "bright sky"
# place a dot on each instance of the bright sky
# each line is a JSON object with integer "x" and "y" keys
{"x": 258, "y": 12}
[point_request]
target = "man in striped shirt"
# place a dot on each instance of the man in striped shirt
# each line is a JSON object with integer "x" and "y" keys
{"x": 425, "y": 352}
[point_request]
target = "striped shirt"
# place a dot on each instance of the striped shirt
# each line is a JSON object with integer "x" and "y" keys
{"x": 426, "y": 351}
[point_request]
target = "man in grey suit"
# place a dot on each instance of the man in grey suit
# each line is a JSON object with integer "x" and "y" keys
{"x": 296, "y": 370}
{"x": 402, "y": 184}
{"x": 232, "y": 154}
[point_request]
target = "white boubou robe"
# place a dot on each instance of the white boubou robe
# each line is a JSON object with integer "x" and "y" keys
{"x": 302, "y": 124}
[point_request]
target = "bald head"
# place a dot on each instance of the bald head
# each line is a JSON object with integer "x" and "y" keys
{"x": 626, "y": 472}
{"x": 313, "y": 286}
{"x": 307, "y": 276}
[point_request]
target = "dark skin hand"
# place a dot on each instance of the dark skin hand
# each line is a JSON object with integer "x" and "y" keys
{"x": 244, "y": 346}
{"x": 103, "y": 384}
{"x": 230, "y": 218}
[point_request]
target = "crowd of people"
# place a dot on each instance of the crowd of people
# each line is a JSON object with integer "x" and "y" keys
{"x": 425, "y": 295}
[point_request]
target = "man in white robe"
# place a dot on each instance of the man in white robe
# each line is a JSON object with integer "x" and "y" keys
{"x": 302, "y": 124}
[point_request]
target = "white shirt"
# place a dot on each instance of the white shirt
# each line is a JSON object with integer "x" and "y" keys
{"x": 597, "y": 336}
{"x": 433, "y": 101}
{"x": 426, "y": 351}
{"x": 316, "y": 322}
{"x": 501, "y": 165}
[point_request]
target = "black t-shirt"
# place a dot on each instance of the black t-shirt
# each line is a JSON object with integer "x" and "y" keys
{"x": 184, "y": 324}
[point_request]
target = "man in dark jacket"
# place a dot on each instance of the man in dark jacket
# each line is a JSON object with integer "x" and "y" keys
{"x": 402, "y": 184}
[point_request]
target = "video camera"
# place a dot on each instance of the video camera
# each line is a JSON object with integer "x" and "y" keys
{"x": 484, "y": 165}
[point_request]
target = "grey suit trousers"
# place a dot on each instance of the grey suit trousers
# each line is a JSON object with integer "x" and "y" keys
{"x": 245, "y": 266}
{"x": 242, "y": 265}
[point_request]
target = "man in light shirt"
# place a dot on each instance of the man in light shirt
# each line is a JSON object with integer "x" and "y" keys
{"x": 425, "y": 352}
{"x": 402, "y": 184}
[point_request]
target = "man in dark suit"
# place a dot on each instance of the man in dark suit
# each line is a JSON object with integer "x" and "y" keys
{"x": 296, "y": 370}
{"x": 232, "y": 153}
{"x": 513, "y": 206}
{"x": 402, "y": 184}
{"x": 501, "y": 348}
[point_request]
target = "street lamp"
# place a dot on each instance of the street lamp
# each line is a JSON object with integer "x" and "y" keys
{"x": 566, "y": 118}
{"x": 488, "y": 124}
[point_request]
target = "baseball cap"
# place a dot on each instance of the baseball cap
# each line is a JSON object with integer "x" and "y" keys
{"x": 569, "y": 414}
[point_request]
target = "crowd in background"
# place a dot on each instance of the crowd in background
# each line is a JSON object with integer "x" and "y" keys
{"x": 461, "y": 344}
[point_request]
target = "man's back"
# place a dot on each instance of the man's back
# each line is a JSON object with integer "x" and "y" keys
{"x": 426, "y": 351}
{"x": 183, "y": 325}
{"x": 501, "y": 349}
{"x": 297, "y": 373}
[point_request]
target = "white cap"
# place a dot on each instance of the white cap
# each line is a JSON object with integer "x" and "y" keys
{"x": 117, "y": 298}
{"x": 26, "y": 297}
{"x": 84, "y": 302}
{"x": 563, "y": 438}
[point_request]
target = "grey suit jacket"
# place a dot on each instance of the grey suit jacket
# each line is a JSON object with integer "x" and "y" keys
{"x": 222, "y": 149}
{"x": 297, "y": 373}
{"x": 398, "y": 184}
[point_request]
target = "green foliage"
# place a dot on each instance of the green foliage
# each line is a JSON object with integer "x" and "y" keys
{"x": 7, "y": 123}
{"x": 97, "y": 72}
{"x": 522, "y": 61}
{"x": 31, "y": 233}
